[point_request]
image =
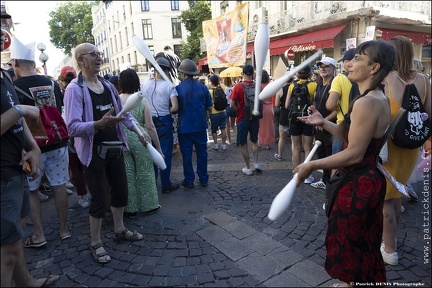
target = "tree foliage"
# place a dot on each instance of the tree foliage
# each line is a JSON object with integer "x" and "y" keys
{"x": 71, "y": 24}
{"x": 199, "y": 11}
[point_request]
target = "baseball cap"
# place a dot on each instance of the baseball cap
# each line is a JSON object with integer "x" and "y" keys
{"x": 349, "y": 55}
{"x": 214, "y": 79}
{"x": 248, "y": 69}
{"x": 67, "y": 70}
{"x": 327, "y": 61}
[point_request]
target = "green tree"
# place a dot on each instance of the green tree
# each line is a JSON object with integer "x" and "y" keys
{"x": 199, "y": 11}
{"x": 71, "y": 24}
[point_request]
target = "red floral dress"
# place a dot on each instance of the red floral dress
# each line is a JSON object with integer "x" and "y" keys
{"x": 355, "y": 224}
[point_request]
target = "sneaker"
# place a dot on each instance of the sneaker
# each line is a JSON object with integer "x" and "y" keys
{"x": 45, "y": 187}
{"x": 324, "y": 206}
{"x": 69, "y": 192}
{"x": 69, "y": 185}
{"x": 389, "y": 258}
{"x": 309, "y": 180}
{"x": 223, "y": 147}
{"x": 42, "y": 197}
{"x": 319, "y": 184}
{"x": 188, "y": 186}
{"x": 84, "y": 202}
{"x": 247, "y": 171}
{"x": 215, "y": 147}
{"x": 257, "y": 167}
{"x": 171, "y": 188}
{"x": 277, "y": 157}
{"x": 402, "y": 209}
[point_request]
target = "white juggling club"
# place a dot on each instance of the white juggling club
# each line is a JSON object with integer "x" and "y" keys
{"x": 145, "y": 51}
{"x": 132, "y": 102}
{"x": 284, "y": 198}
{"x": 273, "y": 87}
{"x": 261, "y": 46}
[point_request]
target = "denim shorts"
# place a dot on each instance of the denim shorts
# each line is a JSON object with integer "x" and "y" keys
{"x": 218, "y": 120}
{"x": 244, "y": 127}
{"x": 230, "y": 112}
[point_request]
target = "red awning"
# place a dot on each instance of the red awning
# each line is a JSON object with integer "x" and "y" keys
{"x": 202, "y": 62}
{"x": 416, "y": 37}
{"x": 306, "y": 42}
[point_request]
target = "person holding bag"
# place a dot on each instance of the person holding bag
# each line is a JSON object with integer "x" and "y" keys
{"x": 355, "y": 219}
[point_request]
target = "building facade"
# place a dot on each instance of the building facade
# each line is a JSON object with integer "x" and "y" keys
{"x": 299, "y": 28}
{"x": 116, "y": 22}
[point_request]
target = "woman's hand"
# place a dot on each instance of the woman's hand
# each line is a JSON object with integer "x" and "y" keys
{"x": 303, "y": 171}
{"x": 315, "y": 118}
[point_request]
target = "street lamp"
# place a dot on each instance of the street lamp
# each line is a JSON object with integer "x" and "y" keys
{"x": 43, "y": 57}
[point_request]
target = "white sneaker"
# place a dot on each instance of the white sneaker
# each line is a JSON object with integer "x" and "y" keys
{"x": 277, "y": 157}
{"x": 69, "y": 185}
{"x": 224, "y": 147}
{"x": 257, "y": 167}
{"x": 402, "y": 209}
{"x": 389, "y": 258}
{"x": 84, "y": 203}
{"x": 324, "y": 206}
{"x": 215, "y": 147}
{"x": 247, "y": 171}
{"x": 319, "y": 184}
{"x": 69, "y": 192}
{"x": 42, "y": 197}
{"x": 309, "y": 180}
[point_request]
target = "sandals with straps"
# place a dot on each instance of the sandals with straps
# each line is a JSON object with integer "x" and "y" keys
{"x": 101, "y": 257}
{"x": 123, "y": 235}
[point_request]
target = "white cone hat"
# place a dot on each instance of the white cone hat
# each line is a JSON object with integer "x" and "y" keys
{"x": 21, "y": 51}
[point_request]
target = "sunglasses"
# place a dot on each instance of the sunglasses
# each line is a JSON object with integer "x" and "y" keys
{"x": 94, "y": 54}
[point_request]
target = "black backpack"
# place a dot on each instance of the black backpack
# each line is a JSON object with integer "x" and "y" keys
{"x": 413, "y": 128}
{"x": 249, "y": 101}
{"x": 299, "y": 101}
{"x": 220, "y": 101}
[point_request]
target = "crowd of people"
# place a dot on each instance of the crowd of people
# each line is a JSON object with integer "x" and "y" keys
{"x": 112, "y": 169}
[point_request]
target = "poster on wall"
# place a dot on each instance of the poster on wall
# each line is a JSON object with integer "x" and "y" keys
{"x": 370, "y": 33}
{"x": 351, "y": 43}
{"x": 226, "y": 38}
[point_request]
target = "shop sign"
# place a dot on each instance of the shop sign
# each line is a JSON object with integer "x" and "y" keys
{"x": 301, "y": 48}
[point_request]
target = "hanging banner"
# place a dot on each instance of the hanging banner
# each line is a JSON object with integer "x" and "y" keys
{"x": 351, "y": 43}
{"x": 370, "y": 33}
{"x": 226, "y": 38}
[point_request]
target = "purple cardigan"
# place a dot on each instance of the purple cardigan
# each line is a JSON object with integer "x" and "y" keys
{"x": 79, "y": 116}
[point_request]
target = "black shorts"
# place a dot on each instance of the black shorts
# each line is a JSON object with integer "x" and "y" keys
{"x": 297, "y": 128}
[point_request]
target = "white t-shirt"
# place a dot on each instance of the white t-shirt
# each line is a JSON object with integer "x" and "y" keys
{"x": 158, "y": 93}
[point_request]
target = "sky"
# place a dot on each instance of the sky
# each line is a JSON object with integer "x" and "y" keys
{"x": 33, "y": 17}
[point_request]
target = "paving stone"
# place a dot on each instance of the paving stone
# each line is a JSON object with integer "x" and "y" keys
{"x": 220, "y": 218}
{"x": 214, "y": 234}
{"x": 302, "y": 271}
{"x": 233, "y": 248}
{"x": 239, "y": 229}
{"x": 259, "y": 266}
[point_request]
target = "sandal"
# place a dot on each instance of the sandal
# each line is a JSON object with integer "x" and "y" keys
{"x": 102, "y": 257}
{"x": 132, "y": 236}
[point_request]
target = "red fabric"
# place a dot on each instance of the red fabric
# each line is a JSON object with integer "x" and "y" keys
{"x": 316, "y": 39}
{"x": 237, "y": 95}
{"x": 416, "y": 37}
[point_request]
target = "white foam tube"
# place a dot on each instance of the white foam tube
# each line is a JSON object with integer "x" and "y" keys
{"x": 261, "y": 46}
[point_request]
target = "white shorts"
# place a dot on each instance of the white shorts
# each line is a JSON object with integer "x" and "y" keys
{"x": 55, "y": 164}
{"x": 283, "y": 128}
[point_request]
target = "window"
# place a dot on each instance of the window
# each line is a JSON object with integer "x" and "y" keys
{"x": 120, "y": 40}
{"x": 145, "y": 6}
{"x": 176, "y": 28}
{"x": 115, "y": 42}
{"x": 127, "y": 37}
{"x": 175, "y": 6}
{"x": 147, "y": 29}
{"x": 176, "y": 49}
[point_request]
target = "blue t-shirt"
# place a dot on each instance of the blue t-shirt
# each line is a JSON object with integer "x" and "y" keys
{"x": 194, "y": 99}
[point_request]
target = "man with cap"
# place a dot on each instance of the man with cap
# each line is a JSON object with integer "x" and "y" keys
{"x": 327, "y": 69}
{"x": 15, "y": 138}
{"x": 340, "y": 92}
{"x": 54, "y": 159}
{"x": 194, "y": 102}
{"x": 245, "y": 126}
{"x": 163, "y": 102}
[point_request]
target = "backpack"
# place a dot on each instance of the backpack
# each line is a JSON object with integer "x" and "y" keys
{"x": 220, "y": 101}
{"x": 50, "y": 127}
{"x": 413, "y": 128}
{"x": 299, "y": 101}
{"x": 249, "y": 101}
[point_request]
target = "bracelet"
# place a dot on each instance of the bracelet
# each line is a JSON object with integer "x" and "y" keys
{"x": 19, "y": 111}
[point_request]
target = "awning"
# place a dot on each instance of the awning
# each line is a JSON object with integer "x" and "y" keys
{"x": 306, "y": 42}
{"x": 416, "y": 37}
{"x": 202, "y": 62}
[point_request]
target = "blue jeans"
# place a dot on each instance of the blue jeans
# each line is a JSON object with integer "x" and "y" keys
{"x": 164, "y": 127}
{"x": 187, "y": 141}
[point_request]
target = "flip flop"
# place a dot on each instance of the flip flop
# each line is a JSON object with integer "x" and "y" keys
{"x": 67, "y": 236}
{"x": 47, "y": 283}
{"x": 30, "y": 244}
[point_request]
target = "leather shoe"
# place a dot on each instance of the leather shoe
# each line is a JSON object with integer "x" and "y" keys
{"x": 204, "y": 184}
{"x": 189, "y": 186}
{"x": 171, "y": 188}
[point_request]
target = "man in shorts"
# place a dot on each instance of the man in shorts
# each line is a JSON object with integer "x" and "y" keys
{"x": 54, "y": 161}
{"x": 245, "y": 126}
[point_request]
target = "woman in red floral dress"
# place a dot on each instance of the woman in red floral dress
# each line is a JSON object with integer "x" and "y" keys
{"x": 355, "y": 222}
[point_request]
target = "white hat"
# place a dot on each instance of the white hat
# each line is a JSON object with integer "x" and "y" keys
{"x": 327, "y": 61}
{"x": 21, "y": 51}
